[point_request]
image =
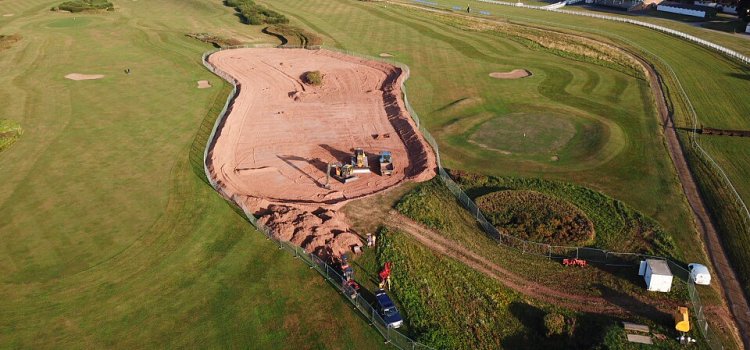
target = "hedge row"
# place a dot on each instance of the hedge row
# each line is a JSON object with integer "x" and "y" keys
{"x": 253, "y": 13}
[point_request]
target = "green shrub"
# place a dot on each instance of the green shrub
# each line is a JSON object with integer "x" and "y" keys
{"x": 554, "y": 324}
{"x": 313, "y": 78}
{"x": 252, "y": 13}
{"x": 10, "y": 132}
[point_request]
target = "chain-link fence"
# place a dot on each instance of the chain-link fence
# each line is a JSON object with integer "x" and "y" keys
{"x": 593, "y": 255}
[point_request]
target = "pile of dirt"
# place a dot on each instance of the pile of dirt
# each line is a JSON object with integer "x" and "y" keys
{"x": 514, "y": 74}
{"x": 323, "y": 232}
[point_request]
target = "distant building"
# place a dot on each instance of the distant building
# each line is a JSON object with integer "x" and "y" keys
{"x": 687, "y": 9}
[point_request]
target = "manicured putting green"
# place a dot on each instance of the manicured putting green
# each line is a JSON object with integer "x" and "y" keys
{"x": 542, "y": 136}
{"x": 525, "y": 133}
{"x": 72, "y": 22}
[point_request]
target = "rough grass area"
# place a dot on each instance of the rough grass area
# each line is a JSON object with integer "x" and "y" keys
{"x": 85, "y": 5}
{"x": 618, "y": 226}
{"x": 253, "y": 13}
{"x": 537, "y": 217}
{"x": 448, "y": 305}
{"x": 215, "y": 40}
{"x": 313, "y": 78}
{"x": 294, "y": 36}
{"x": 10, "y": 132}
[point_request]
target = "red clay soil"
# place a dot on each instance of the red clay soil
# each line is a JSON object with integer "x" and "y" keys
{"x": 271, "y": 151}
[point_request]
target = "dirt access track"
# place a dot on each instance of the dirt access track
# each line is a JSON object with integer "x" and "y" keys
{"x": 271, "y": 151}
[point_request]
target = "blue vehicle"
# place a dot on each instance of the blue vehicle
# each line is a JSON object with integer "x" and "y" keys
{"x": 387, "y": 310}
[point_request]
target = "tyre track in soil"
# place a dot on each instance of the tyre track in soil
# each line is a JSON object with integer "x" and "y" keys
{"x": 615, "y": 306}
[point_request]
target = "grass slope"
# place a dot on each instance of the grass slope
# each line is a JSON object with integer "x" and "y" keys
{"x": 111, "y": 238}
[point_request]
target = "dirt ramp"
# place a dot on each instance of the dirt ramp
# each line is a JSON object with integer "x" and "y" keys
{"x": 324, "y": 232}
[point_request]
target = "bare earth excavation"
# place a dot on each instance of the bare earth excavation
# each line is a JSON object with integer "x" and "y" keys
{"x": 273, "y": 152}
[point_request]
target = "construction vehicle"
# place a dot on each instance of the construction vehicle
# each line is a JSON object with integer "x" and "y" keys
{"x": 342, "y": 172}
{"x": 386, "y": 163}
{"x": 359, "y": 162}
{"x": 682, "y": 320}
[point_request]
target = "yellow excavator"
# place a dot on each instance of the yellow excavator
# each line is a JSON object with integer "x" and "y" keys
{"x": 341, "y": 172}
{"x": 359, "y": 162}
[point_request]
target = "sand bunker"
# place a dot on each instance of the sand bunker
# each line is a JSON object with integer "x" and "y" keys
{"x": 384, "y": 54}
{"x": 203, "y": 84}
{"x": 514, "y": 74}
{"x": 271, "y": 152}
{"x": 8, "y": 15}
{"x": 77, "y": 76}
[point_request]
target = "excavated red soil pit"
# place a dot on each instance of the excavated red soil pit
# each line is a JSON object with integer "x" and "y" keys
{"x": 271, "y": 151}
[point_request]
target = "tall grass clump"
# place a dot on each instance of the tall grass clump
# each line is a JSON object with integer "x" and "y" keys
{"x": 86, "y": 5}
{"x": 252, "y": 13}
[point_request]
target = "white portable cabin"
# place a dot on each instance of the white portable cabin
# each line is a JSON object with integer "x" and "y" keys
{"x": 699, "y": 273}
{"x": 657, "y": 274}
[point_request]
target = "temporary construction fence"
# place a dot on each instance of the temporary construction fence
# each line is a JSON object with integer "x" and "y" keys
{"x": 593, "y": 255}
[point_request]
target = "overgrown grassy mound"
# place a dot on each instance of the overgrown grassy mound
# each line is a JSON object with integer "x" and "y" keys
{"x": 214, "y": 40}
{"x": 10, "y": 132}
{"x": 313, "y": 78}
{"x": 293, "y": 36}
{"x": 252, "y": 13}
{"x": 537, "y": 217}
{"x": 6, "y": 41}
{"x": 618, "y": 226}
{"x": 85, "y": 5}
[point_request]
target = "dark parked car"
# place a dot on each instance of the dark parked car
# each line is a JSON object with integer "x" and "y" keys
{"x": 387, "y": 310}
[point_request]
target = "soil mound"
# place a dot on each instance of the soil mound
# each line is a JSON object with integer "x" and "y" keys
{"x": 323, "y": 232}
{"x": 514, "y": 74}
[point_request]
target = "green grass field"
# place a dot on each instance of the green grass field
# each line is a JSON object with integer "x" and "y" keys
{"x": 111, "y": 238}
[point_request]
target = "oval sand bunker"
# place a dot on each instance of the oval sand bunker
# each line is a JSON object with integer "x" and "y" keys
{"x": 514, "y": 74}
{"x": 78, "y": 76}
